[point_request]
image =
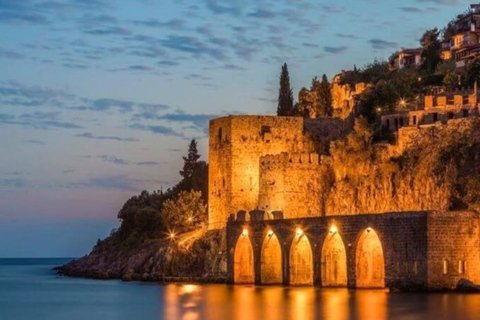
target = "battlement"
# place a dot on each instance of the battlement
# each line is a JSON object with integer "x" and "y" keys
{"x": 290, "y": 159}
{"x": 236, "y": 146}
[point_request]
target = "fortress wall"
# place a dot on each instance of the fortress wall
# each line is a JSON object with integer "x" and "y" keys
{"x": 453, "y": 239}
{"x": 236, "y": 160}
{"x": 290, "y": 182}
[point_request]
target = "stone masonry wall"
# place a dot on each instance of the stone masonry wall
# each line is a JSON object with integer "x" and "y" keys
{"x": 453, "y": 248}
{"x": 290, "y": 182}
{"x": 234, "y": 159}
{"x": 414, "y": 245}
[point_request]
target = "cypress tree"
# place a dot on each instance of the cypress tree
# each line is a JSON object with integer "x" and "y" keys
{"x": 285, "y": 96}
{"x": 190, "y": 161}
{"x": 324, "y": 95}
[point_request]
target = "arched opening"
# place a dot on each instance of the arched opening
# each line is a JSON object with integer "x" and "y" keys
{"x": 301, "y": 262}
{"x": 243, "y": 271}
{"x": 334, "y": 261}
{"x": 370, "y": 263}
{"x": 271, "y": 260}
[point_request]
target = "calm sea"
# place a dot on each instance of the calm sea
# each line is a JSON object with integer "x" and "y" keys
{"x": 30, "y": 290}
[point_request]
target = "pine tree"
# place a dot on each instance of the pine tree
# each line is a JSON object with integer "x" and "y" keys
{"x": 324, "y": 95}
{"x": 431, "y": 50}
{"x": 285, "y": 96}
{"x": 190, "y": 161}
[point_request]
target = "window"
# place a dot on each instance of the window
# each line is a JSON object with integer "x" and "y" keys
{"x": 414, "y": 119}
{"x": 220, "y": 135}
{"x": 401, "y": 122}
{"x": 450, "y": 115}
{"x": 461, "y": 267}
{"x": 435, "y": 117}
{"x": 396, "y": 123}
{"x": 465, "y": 113}
{"x": 388, "y": 124}
{"x": 415, "y": 268}
{"x": 445, "y": 266}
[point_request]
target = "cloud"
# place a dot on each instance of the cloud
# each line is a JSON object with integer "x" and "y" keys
{"x": 155, "y": 23}
{"x": 193, "y": 46}
{"x": 109, "y": 31}
{"x": 148, "y": 163}
{"x": 115, "y": 182}
{"x": 35, "y": 142}
{"x": 233, "y": 8}
{"x": 114, "y": 159}
{"x": 379, "y": 44}
{"x": 119, "y": 161}
{"x": 335, "y": 50}
{"x": 346, "y": 35}
{"x": 200, "y": 121}
{"x": 16, "y": 183}
{"x": 11, "y": 54}
{"x": 158, "y": 129}
{"x": 37, "y": 122}
{"x": 418, "y": 10}
{"x": 89, "y": 135}
{"x": 445, "y": 2}
{"x": 262, "y": 14}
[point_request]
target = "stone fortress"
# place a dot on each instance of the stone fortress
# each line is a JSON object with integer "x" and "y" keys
{"x": 265, "y": 185}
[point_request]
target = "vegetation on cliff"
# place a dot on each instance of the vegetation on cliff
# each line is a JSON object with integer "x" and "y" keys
{"x": 162, "y": 234}
{"x": 439, "y": 170}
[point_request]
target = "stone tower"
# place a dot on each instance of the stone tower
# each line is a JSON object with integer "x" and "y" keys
{"x": 236, "y": 144}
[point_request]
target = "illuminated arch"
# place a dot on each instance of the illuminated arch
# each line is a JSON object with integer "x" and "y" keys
{"x": 370, "y": 262}
{"x": 301, "y": 261}
{"x": 271, "y": 260}
{"x": 334, "y": 261}
{"x": 243, "y": 271}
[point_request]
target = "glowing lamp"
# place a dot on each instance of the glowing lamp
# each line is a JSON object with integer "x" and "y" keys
{"x": 172, "y": 235}
{"x": 190, "y": 219}
{"x": 299, "y": 232}
{"x": 270, "y": 233}
{"x": 333, "y": 229}
{"x": 245, "y": 232}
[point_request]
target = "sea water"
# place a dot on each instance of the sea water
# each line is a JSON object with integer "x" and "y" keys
{"x": 29, "y": 289}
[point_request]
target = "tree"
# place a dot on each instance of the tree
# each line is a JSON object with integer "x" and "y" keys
{"x": 185, "y": 210}
{"x": 324, "y": 94}
{"x": 473, "y": 72}
{"x": 190, "y": 161}
{"x": 285, "y": 95}
{"x": 431, "y": 51}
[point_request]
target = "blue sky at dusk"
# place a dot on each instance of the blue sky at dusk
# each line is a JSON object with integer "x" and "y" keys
{"x": 99, "y": 99}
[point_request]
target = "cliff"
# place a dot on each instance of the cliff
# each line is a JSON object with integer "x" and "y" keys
{"x": 436, "y": 169}
{"x": 194, "y": 256}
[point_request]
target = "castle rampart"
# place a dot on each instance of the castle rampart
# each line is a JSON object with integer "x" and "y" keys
{"x": 236, "y": 144}
{"x": 290, "y": 182}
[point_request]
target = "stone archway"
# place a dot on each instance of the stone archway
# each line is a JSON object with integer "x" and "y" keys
{"x": 271, "y": 260}
{"x": 370, "y": 261}
{"x": 243, "y": 270}
{"x": 334, "y": 261}
{"x": 301, "y": 261}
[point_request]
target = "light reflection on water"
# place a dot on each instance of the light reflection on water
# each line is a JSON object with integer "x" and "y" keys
{"x": 192, "y": 302}
{"x": 31, "y": 290}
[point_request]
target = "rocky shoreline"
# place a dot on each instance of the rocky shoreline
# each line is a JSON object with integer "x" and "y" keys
{"x": 158, "y": 260}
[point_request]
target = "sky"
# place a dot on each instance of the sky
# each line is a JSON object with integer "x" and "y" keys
{"x": 99, "y": 99}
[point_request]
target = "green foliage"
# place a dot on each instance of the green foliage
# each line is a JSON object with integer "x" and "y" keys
{"x": 451, "y": 156}
{"x": 190, "y": 160}
{"x": 285, "y": 95}
{"x": 431, "y": 51}
{"x": 449, "y": 30}
{"x": 473, "y": 72}
{"x": 324, "y": 96}
{"x": 142, "y": 216}
{"x": 184, "y": 211}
